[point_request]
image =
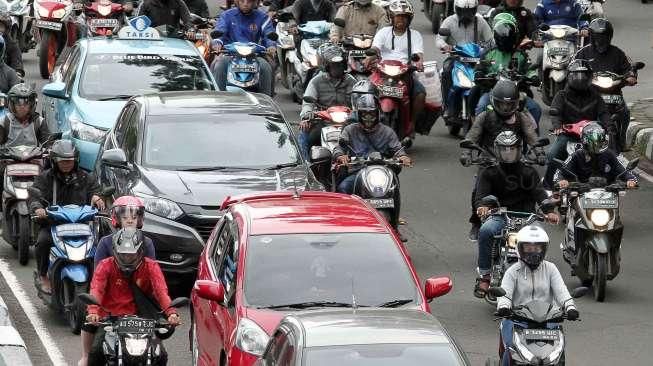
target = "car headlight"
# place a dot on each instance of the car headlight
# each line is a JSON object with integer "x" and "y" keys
{"x": 136, "y": 346}
{"x": 244, "y": 50}
{"x": 59, "y": 13}
{"x": 76, "y": 254}
{"x": 463, "y": 80}
{"x": 161, "y": 207}
{"x": 82, "y": 131}
{"x": 21, "y": 193}
{"x": 600, "y": 217}
{"x": 339, "y": 117}
{"x": 392, "y": 70}
{"x": 250, "y": 337}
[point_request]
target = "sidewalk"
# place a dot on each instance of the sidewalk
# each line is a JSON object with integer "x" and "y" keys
{"x": 640, "y": 133}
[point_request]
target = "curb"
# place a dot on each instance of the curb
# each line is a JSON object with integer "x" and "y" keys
{"x": 639, "y": 136}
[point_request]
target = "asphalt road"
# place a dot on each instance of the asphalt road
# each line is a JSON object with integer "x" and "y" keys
{"x": 435, "y": 205}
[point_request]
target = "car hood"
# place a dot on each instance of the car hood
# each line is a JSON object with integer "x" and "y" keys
{"x": 265, "y": 318}
{"x": 211, "y": 188}
{"x": 101, "y": 114}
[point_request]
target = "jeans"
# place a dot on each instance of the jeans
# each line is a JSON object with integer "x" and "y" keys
{"x": 533, "y": 108}
{"x": 507, "y": 327}
{"x": 310, "y": 138}
{"x": 558, "y": 150}
{"x": 42, "y": 250}
{"x": 347, "y": 185}
{"x": 265, "y": 79}
{"x": 491, "y": 227}
{"x": 446, "y": 82}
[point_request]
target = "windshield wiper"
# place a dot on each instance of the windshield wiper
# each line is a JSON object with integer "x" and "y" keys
{"x": 395, "y": 303}
{"x": 281, "y": 166}
{"x": 117, "y": 97}
{"x": 312, "y": 304}
{"x": 214, "y": 168}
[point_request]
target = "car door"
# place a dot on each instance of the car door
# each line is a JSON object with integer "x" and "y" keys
{"x": 52, "y": 110}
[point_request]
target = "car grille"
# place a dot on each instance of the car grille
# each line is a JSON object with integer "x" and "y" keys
{"x": 203, "y": 225}
{"x": 204, "y": 230}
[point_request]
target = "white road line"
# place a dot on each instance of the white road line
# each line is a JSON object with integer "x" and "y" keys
{"x": 55, "y": 355}
{"x": 643, "y": 174}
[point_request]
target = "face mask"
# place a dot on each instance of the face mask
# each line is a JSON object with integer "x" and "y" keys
{"x": 337, "y": 71}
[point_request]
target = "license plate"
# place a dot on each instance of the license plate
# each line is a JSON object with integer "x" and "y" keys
{"x": 391, "y": 91}
{"x": 600, "y": 203}
{"x": 136, "y": 325}
{"x": 244, "y": 68}
{"x": 470, "y": 59}
{"x": 612, "y": 98}
{"x": 357, "y": 53}
{"x": 48, "y": 25}
{"x": 556, "y": 51}
{"x": 103, "y": 23}
{"x": 381, "y": 202}
{"x": 541, "y": 334}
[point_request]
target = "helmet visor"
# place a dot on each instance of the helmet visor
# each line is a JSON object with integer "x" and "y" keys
{"x": 129, "y": 212}
{"x": 508, "y": 154}
{"x": 369, "y": 119}
{"x": 532, "y": 248}
{"x": 505, "y": 107}
{"x": 466, "y": 13}
{"x": 597, "y": 145}
{"x": 21, "y": 101}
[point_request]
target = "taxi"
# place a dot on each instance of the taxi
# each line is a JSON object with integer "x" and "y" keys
{"x": 95, "y": 78}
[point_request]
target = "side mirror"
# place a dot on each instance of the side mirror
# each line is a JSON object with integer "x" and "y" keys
{"x": 320, "y": 154}
{"x": 179, "y": 302}
{"x": 437, "y": 286}
{"x": 309, "y": 99}
{"x": 272, "y": 36}
{"x": 467, "y": 144}
{"x": 115, "y": 158}
{"x": 444, "y": 32}
{"x": 339, "y": 22}
{"x": 632, "y": 164}
{"x": 56, "y": 90}
{"x": 88, "y": 299}
{"x": 554, "y": 112}
{"x": 544, "y": 27}
{"x": 497, "y": 291}
{"x": 209, "y": 290}
{"x": 579, "y": 292}
{"x": 216, "y": 34}
{"x": 638, "y": 65}
{"x": 542, "y": 142}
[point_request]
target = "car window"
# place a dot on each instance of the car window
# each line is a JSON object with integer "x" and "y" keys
{"x": 229, "y": 261}
{"x": 121, "y": 125}
{"x": 69, "y": 76}
{"x": 217, "y": 246}
{"x": 441, "y": 354}
{"x": 70, "y": 57}
{"x": 130, "y": 141}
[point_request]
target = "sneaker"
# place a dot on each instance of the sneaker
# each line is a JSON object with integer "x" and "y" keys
{"x": 473, "y": 232}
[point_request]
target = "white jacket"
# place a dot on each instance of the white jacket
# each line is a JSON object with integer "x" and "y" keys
{"x": 545, "y": 284}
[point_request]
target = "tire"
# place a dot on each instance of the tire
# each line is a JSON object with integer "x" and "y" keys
{"x": 77, "y": 312}
{"x": 454, "y": 130}
{"x": 24, "y": 239}
{"x": 194, "y": 351}
{"x": 47, "y": 53}
{"x": 437, "y": 13}
{"x": 600, "y": 277}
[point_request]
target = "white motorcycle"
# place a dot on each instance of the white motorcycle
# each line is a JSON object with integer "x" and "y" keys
{"x": 559, "y": 49}
{"x": 286, "y": 52}
{"x": 314, "y": 34}
{"x": 21, "y": 22}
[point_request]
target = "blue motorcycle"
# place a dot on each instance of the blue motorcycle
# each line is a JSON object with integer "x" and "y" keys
{"x": 243, "y": 70}
{"x": 74, "y": 234}
{"x": 466, "y": 57}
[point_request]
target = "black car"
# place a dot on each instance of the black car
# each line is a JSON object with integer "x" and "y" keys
{"x": 183, "y": 153}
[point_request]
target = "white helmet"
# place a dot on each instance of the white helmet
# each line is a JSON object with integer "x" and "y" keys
{"x": 529, "y": 238}
{"x": 465, "y": 10}
{"x": 465, "y": 4}
{"x": 399, "y": 7}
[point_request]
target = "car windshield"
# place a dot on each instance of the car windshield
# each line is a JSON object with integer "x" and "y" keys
{"x": 207, "y": 141}
{"x": 383, "y": 354}
{"x": 303, "y": 268}
{"x": 13, "y": 355}
{"x": 139, "y": 74}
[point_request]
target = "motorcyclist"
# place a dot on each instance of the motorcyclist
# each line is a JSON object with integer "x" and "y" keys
{"x": 603, "y": 56}
{"x": 576, "y": 102}
{"x": 8, "y": 76}
{"x": 63, "y": 184}
{"x": 466, "y": 26}
{"x": 22, "y": 125}
{"x": 244, "y": 23}
{"x": 559, "y": 12}
{"x": 331, "y": 86}
{"x": 400, "y": 42}
{"x": 173, "y": 13}
{"x": 532, "y": 278}
{"x": 515, "y": 185}
{"x": 503, "y": 116}
{"x": 525, "y": 19}
{"x": 13, "y": 55}
{"x": 311, "y": 10}
{"x": 361, "y": 17}
{"x": 115, "y": 282}
{"x": 198, "y": 7}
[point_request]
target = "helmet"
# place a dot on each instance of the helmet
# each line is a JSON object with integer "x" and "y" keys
{"x": 63, "y": 150}
{"x": 360, "y": 88}
{"x": 580, "y": 74}
{"x": 465, "y": 9}
{"x": 601, "y": 32}
{"x": 21, "y": 94}
{"x": 507, "y": 147}
{"x": 332, "y": 60}
{"x": 505, "y": 32}
{"x": 127, "y": 205}
{"x": 505, "y": 98}
{"x": 363, "y": 2}
{"x": 520, "y": 3}
{"x": 532, "y": 242}
{"x": 401, "y": 7}
{"x": 504, "y": 17}
{"x": 367, "y": 109}
{"x": 128, "y": 249}
{"x": 594, "y": 138}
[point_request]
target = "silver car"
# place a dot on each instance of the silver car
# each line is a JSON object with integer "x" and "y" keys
{"x": 12, "y": 347}
{"x": 360, "y": 337}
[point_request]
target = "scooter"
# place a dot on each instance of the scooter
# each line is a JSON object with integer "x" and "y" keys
{"x": 202, "y": 39}
{"x": 21, "y": 22}
{"x": 594, "y": 229}
{"x": 55, "y": 29}
{"x": 286, "y": 52}
{"x": 355, "y": 45}
{"x": 557, "y": 53}
{"x": 132, "y": 340}
{"x": 104, "y": 17}
{"x": 313, "y": 35}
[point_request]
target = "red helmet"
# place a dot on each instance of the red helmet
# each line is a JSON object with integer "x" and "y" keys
{"x": 127, "y": 205}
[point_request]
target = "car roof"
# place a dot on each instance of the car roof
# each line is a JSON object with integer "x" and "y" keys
{"x": 208, "y": 102}
{"x": 287, "y": 212}
{"x": 164, "y": 46}
{"x": 368, "y": 326}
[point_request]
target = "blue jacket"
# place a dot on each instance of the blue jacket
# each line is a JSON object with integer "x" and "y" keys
{"x": 238, "y": 27}
{"x": 565, "y": 13}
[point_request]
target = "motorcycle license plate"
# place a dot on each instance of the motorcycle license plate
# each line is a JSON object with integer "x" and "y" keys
{"x": 48, "y": 25}
{"x": 103, "y": 23}
{"x": 357, "y": 53}
{"x": 541, "y": 334}
{"x": 381, "y": 202}
{"x": 391, "y": 91}
{"x": 600, "y": 203}
{"x": 244, "y": 68}
{"x": 612, "y": 98}
{"x": 558, "y": 51}
{"x": 136, "y": 325}
{"x": 470, "y": 59}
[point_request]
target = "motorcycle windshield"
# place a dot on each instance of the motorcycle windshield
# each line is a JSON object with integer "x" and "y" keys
{"x": 315, "y": 28}
{"x": 538, "y": 311}
{"x": 468, "y": 50}
{"x": 72, "y": 213}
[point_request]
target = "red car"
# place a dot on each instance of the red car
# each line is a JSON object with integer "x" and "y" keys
{"x": 274, "y": 253}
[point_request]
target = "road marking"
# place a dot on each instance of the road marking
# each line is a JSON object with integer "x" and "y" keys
{"x": 55, "y": 355}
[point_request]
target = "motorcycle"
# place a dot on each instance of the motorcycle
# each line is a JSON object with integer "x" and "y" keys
{"x": 286, "y": 52}
{"x": 313, "y": 34}
{"x": 21, "y": 22}
{"x": 104, "y": 17}
{"x": 436, "y": 11}
{"x": 538, "y": 337}
{"x": 593, "y": 8}
{"x": 355, "y": 45}
{"x": 55, "y": 29}
{"x": 557, "y": 53}
{"x": 133, "y": 340}
{"x": 202, "y": 39}
{"x": 609, "y": 85}
{"x": 594, "y": 229}
{"x": 333, "y": 118}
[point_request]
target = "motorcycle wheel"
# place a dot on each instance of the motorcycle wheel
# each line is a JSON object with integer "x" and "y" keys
{"x": 47, "y": 53}
{"x": 23, "y": 239}
{"x": 600, "y": 277}
{"x": 437, "y": 13}
{"x": 76, "y": 313}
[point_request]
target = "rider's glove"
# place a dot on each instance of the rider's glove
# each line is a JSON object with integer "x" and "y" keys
{"x": 535, "y": 80}
{"x": 540, "y": 157}
{"x": 466, "y": 159}
{"x": 503, "y": 312}
{"x": 572, "y": 314}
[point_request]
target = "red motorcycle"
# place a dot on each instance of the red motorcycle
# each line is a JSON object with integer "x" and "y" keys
{"x": 104, "y": 17}
{"x": 55, "y": 29}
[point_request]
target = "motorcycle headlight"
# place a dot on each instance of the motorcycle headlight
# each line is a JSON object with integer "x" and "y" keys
{"x": 251, "y": 338}
{"x": 104, "y": 10}
{"x": 392, "y": 70}
{"x": 59, "y": 13}
{"x": 21, "y": 193}
{"x": 136, "y": 346}
{"x": 244, "y": 50}
{"x": 600, "y": 217}
{"x": 603, "y": 82}
{"x": 512, "y": 240}
{"x": 43, "y": 12}
{"x": 463, "y": 80}
{"x": 82, "y": 131}
{"x": 161, "y": 207}
{"x": 76, "y": 254}
{"x": 339, "y": 117}
{"x": 558, "y": 33}
{"x": 377, "y": 181}
{"x": 362, "y": 43}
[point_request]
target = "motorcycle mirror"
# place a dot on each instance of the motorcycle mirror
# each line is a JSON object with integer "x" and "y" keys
{"x": 544, "y": 27}
{"x": 444, "y": 32}
{"x": 179, "y": 302}
{"x": 339, "y": 22}
{"x": 309, "y": 99}
{"x": 88, "y": 299}
{"x": 216, "y": 34}
{"x": 579, "y": 292}
{"x": 542, "y": 142}
{"x": 273, "y": 36}
{"x": 638, "y": 65}
{"x": 497, "y": 291}
{"x": 554, "y": 112}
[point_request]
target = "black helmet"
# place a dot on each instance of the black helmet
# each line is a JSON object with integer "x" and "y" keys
{"x": 601, "y": 32}
{"x": 505, "y": 36}
{"x": 367, "y": 111}
{"x": 21, "y": 94}
{"x": 594, "y": 138}
{"x": 520, "y": 3}
{"x": 128, "y": 249}
{"x": 507, "y": 147}
{"x": 332, "y": 60}
{"x": 580, "y": 74}
{"x": 363, "y": 2}
{"x": 63, "y": 150}
{"x": 360, "y": 88}
{"x": 505, "y": 98}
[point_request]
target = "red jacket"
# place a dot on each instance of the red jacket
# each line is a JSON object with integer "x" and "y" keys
{"x": 111, "y": 288}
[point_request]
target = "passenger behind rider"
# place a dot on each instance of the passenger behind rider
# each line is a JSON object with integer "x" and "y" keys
{"x": 531, "y": 279}
{"x": 465, "y": 26}
{"x": 245, "y": 23}
{"x": 603, "y": 56}
{"x": 13, "y": 54}
{"x": 576, "y": 102}
{"x": 517, "y": 187}
{"x": 8, "y": 76}
{"x": 313, "y": 10}
{"x": 361, "y": 17}
{"x": 331, "y": 86}
{"x": 400, "y": 42}
{"x": 63, "y": 184}
{"x": 558, "y": 12}
{"x": 173, "y": 13}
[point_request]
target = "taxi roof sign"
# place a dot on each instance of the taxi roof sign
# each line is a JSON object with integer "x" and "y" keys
{"x": 139, "y": 28}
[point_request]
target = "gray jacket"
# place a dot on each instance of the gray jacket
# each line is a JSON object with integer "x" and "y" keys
{"x": 461, "y": 34}
{"x": 488, "y": 125}
{"x": 328, "y": 92}
{"x": 544, "y": 284}
{"x": 383, "y": 140}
